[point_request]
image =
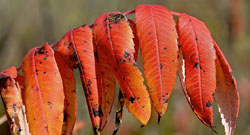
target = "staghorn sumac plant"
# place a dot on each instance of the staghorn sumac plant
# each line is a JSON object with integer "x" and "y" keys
{"x": 42, "y": 101}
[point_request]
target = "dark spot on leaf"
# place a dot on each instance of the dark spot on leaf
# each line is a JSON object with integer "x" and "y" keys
{"x": 45, "y": 58}
{"x": 213, "y": 94}
{"x": 196, "y": 38}
{"x": 126, "y": 54}
{"x": 196, "y": 65}
{"x": 166, "y": 101}
{"x": 208, "y": 104}
{"x": 166, "y": 93}
{"x": 110, "y": 27}
{"x": 84, "y": 50}
{"x": 132, "y": 99}
{"x": 46, "y": 128}
{"x": 36, "y": 70}
{"x": 50, "y": 105}
{"x": 40, "y": 50}
{"x": 44, "y": 72}
{"x": 203, "y": 71}
{"x": 89, "y": 83}
{"x": 116, "y": 18}
{"x": 97, "y": 112}
{"x": 161, "y": 66}
{"x": 191, "y": 56}
{"x": 96, "y": 56}
{"x": 19, "y": 130}
{"x": 102, "y": 73}
{"x": 40, "y": 62}
{"x": 85, "y": 41}
{"x": 89, "y": 92}
{"x": 165, "y": 48}
{"x": 14, "y": 108}
{"x": 96, "y": 130}
{"x": 149, "y": 33}
{"x": 135, "y": 64}
{"x": 123, "y": 78}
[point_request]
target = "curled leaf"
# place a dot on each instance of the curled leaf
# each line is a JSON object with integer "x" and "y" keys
{"x": 226, "y": 94}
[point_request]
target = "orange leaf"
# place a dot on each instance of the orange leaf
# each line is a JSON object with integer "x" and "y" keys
{"x": 77, "y": 46}
{"x": 84, "y": 52}
{"x": 199, "y": 58}
{"x": 120, "y": 103}
{"x": 42, "y": 81}
{"x": 69, "y": 86}
{"x": 226, "y": 94}
{"x": 158, "y": 42}
{"x": 114, "y": 37}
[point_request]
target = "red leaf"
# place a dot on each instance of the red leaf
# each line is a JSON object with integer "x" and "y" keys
{"x": 199, "y": 57}
{"x": 42, "y": 81}
{"x": 158, "y": 42}
{"x": 114, "y": 37}
{"x": 226, "y": 94}
{"x": 69, "y": 86}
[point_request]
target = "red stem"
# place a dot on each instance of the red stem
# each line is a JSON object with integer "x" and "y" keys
{"x": 19, "y": 68}
{"x": 128, "y": 12}
{"x": 91, "y": 26}
{"x": 54, "y": 45}
{"x": 175, "y": 13}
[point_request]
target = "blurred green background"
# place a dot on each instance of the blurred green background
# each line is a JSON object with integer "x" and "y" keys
{"x": 28, "y": 23}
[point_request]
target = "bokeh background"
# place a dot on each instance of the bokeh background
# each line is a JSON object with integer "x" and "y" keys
{"x": 28, "y": 23}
